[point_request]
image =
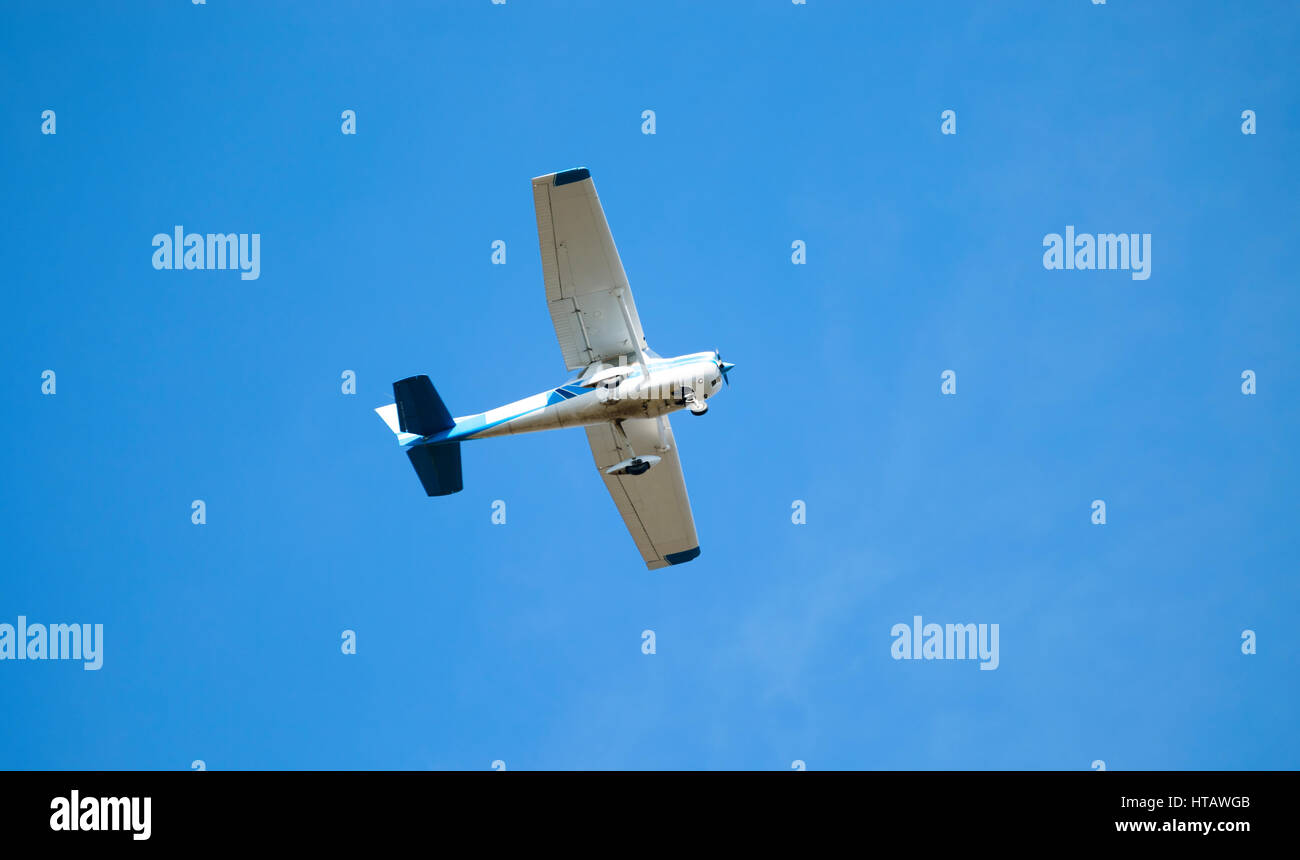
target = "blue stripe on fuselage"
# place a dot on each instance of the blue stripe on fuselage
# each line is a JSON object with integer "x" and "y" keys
{"x": 467, "y": 427}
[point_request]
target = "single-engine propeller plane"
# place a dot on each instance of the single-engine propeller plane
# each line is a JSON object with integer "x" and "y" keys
{"x": 621, "y": 395}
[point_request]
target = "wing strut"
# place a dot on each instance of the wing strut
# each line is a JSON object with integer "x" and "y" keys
{"x": 662, "y": 447}
{"x": 631, "y": 331}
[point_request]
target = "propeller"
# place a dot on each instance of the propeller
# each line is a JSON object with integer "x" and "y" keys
{"x": 724, "y": 366}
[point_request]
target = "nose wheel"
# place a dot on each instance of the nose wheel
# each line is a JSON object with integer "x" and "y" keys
{"x": 695, "y": 404}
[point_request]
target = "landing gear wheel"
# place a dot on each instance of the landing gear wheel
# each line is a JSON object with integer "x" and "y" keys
{"x": 638, "y": 467}
{"x": 695, "y": 404}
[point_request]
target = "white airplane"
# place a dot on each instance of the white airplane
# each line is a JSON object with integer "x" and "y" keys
{"x": 621, "y": 396}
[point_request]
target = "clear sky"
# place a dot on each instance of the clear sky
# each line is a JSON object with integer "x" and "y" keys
{"x": 775, "y": 122}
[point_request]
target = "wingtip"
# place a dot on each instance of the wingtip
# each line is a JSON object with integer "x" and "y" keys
{"x": 573, "y": 174}
{"x": 682, "y": 557}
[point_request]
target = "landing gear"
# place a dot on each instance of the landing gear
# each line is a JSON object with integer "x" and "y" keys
{"x": 695, "y": 404}
{"x": 636, "y": 465}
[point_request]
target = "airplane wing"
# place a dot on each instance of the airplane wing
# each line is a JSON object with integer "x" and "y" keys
{"x": 581, "y": 266}
{"x": 654, "y": 506}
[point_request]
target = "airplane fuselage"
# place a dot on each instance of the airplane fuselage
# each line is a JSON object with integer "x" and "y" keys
{"x": 626, "y": 393}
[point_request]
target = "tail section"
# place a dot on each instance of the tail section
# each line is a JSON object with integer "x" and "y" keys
{"x": 389, "y": 414}
{"x": 420, "y": 412}
{"x": 419, "y": 408}
{"x": 438, "y": 467}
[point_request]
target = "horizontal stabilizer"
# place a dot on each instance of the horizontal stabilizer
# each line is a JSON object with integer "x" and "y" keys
{"x": 420, "y": 410}
{"x": 438, "y": 467}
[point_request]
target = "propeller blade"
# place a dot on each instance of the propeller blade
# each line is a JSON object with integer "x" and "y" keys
{"x": 723, "y": 366}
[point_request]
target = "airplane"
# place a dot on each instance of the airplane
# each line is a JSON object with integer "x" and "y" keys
{"x": 622, "y": 394}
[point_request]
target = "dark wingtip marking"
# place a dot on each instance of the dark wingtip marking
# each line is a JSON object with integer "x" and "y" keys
{"x": 682, "y": 557}
{"x": 577, "y": 174}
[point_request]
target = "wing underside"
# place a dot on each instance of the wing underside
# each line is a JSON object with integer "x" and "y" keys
{"x": 654, "y": 506}
{"x": 582, "y": 269}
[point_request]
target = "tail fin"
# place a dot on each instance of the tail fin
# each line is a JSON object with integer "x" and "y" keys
{"x": 419, "y": 411}
{"x": 438, "y": 467}
{"x": 419, "y": 408}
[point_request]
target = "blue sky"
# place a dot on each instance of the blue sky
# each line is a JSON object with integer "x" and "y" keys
{"x": 522, "y": 642}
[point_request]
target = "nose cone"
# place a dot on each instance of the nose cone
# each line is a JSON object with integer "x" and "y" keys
{"x": 725, "y": 367}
